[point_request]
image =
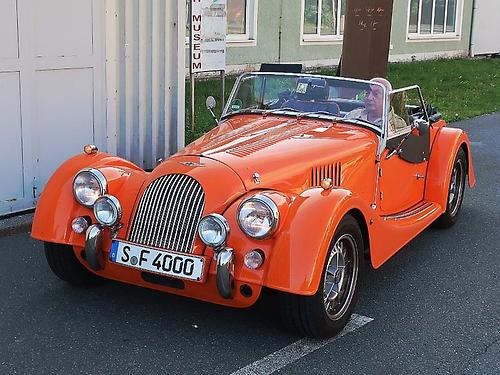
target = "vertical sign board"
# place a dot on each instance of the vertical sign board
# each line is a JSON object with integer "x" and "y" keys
{"x": 208, "y": 35}
{"x": 367, "y": 35}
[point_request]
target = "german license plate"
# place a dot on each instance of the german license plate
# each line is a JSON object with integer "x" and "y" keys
{"x": 158, "y": 261}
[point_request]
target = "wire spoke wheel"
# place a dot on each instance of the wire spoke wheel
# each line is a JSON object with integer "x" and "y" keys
{"x": 456, "y": 190}
{"x": 341, "y": 276}
{"x": 457, "y": 184}
{"x": 327, "y": 311}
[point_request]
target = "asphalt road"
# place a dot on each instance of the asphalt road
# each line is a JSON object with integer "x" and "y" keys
{"x": 435, "y": 308}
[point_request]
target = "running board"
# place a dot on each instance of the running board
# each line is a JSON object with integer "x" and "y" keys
{"x": 418, "y": 212}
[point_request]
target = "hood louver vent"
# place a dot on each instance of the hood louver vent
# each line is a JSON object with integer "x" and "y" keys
{"x": 333, "y": 171}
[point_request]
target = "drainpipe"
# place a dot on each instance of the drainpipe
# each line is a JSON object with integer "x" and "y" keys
{"x": 472, "y": 27}
{"x": 279, "y": 32}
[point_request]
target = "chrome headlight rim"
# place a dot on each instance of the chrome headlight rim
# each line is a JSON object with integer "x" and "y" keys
{"x": 101, "y": 180}
{"x": 273, "y": 208}
{"x": 221, "y": 220}
{"x": 116, "y": 207}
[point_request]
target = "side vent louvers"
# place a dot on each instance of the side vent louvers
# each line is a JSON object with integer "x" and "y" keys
{"x": 333, "y": 171}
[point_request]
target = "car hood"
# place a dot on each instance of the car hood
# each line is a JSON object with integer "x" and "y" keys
{"x": 278, "y": 152}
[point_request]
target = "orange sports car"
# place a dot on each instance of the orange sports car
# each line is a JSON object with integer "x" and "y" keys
{"x": 303, "y": 179}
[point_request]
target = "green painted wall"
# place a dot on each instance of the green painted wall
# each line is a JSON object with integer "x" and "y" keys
{"x": 269, "y": 48}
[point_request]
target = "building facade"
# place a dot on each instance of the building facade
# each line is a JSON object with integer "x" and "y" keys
{"x": 311, "y": 31}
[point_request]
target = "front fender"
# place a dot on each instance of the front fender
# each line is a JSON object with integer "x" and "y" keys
{"x": 299, "y": 252}
{"x": 445, "y": 147}
{"x": 57, "y": 207}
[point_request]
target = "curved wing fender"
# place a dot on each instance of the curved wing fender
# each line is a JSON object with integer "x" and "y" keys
{"x": 298, "y": 253}
{"x": 443, "y": 153}
{"x": 57, "y": 207}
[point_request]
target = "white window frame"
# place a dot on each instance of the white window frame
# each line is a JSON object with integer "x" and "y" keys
{"x": 456, "y": 35}
{"x": 249, "y": 39}
{"x": 318, "y": 38}
{"x": 250, "y": 36}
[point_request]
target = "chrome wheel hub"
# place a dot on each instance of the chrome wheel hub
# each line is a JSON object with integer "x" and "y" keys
{"x": 456, "y": 187}
{"x": 340, "y": 277}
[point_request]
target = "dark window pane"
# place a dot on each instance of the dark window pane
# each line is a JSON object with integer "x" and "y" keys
{"x": 451, "y": 18}
{"x": 413, "y": 26}
{"x": 439, "y": 16}
{"x": 329, "y": 17}
{"x": 425, "y": 24}
{"x": 236, "y": 16}
{"x": 311, "y": 17}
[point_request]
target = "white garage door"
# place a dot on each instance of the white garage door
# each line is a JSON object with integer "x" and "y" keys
{"x": 51, "y": 91}
{"x": 486, "y": 28}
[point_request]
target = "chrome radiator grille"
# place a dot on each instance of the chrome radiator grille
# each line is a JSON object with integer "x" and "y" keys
{"x": 168, "y": 213}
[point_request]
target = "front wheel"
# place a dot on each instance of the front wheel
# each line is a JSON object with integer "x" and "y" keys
{"x": 455, "y": 192}
{"x": 65, "y": 265}
{"x": 325, "y": 313}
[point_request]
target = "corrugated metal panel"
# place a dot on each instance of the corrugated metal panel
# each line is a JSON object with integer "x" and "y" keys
{"x": 145, "y": 78}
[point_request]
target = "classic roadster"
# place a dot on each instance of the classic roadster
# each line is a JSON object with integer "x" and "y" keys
{"x": 303, "y": 179}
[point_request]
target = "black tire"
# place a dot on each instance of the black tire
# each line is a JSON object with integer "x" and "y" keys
{"x": 308, "y": 314}
{"x": 65, "y": 265}
{"x": 456, "y": 191}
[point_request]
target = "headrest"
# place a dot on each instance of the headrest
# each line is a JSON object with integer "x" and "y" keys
{"x": 309, "y": 88}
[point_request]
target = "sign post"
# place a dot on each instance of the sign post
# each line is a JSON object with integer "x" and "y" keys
{"x": 367, "y": 35}
{"x": 207, "y": 41}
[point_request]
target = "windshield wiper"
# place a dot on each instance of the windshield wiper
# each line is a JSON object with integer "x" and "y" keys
{"x": 271, "y": 111}
{"x": 357, "y": 121}
{"x": 299, "y": 113}
{"x": 243, "y": 111}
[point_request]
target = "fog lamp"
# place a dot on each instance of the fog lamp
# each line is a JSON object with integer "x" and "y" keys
{"x": 253, "y": 259}
{"x": 79, "y": 225}
{"x": 107, "y": 210}
{"x": 213, "y": 230}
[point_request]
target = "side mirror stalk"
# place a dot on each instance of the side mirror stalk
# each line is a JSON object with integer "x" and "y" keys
{"x": 211, "y": 103}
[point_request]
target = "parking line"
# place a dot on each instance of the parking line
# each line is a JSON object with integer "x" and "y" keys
{"x": 297, "y": 350}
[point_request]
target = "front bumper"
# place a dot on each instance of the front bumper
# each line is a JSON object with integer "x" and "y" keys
{"x": 224, "y": 260}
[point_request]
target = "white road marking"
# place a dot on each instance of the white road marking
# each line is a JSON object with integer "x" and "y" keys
{"x": 297, "y": 350}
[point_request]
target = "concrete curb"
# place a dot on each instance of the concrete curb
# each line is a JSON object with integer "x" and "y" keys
{"x": 16, "y": 224}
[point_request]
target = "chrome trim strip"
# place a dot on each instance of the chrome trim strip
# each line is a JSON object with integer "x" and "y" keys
{"x": 93, "y": 246}
{"x": 225, "y": 273}
{"x": 411, "y": 212}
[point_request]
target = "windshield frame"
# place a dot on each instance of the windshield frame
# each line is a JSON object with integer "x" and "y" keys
{"x": 381, "y": 131}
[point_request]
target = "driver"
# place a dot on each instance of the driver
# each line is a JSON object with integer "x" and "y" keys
{"x": 374, "y": 108}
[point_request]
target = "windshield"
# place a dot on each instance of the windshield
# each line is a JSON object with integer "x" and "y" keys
{"x": 351, "y": 100}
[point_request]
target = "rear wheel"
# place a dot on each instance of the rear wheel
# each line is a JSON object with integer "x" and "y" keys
{"x": 455, "y": 192}
{"x": 65, "y": 265}
{"x": 325, "y": 313}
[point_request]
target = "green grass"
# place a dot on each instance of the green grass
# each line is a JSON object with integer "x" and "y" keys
{"x": 459, "y": 88}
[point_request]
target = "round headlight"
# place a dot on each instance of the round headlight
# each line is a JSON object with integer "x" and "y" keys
{"x": 107, "y": 210}
{"x": 213, "y": 230}
{"x": 88, "y": 185}
{"x": 258, "y": 216}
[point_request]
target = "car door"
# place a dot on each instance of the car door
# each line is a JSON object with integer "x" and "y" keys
{"x": 404, "y": 161}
